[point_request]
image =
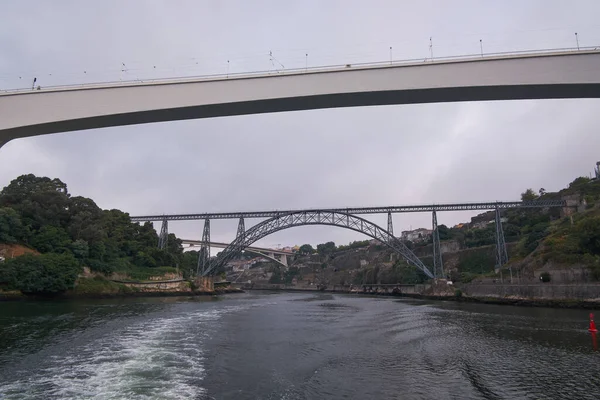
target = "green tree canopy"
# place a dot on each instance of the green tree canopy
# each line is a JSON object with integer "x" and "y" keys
{"x": 306, "y": 249}
{"x": 588, "y": 234}
{"x": 42, "y": 274}
{"x": 11, "y": 226}
{"x": 39, "y": 201}
{"x": 39, "y": 212}
{"x": 528, "y": 195}
{"x": 326, "y": 248}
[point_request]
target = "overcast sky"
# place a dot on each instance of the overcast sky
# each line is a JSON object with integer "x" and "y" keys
{"x": 392, "y": 155}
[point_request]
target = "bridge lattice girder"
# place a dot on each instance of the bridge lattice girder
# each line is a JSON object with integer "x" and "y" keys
{"x": 363, "y": 210}
{"x": 319, "y": 217}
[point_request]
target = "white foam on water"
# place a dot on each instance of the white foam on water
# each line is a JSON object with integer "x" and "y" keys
{"x": 161, "y": 358}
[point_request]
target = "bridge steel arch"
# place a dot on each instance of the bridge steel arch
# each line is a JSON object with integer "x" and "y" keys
{"x": 316, "y": 217}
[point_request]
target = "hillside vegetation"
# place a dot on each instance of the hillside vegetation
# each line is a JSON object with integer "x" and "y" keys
{"x": 67, "y": 233}
{"x": 71, "y": 232}
{"x": 536, "y": 239}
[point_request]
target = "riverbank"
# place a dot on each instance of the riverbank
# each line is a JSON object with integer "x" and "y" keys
{"x": 18, "y": 296}
{"x": 98, "y": 287}
{"x": 458, "y": 296}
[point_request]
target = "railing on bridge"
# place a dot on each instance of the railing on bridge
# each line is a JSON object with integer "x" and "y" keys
{"x": 316, "y": 69}
{"x": 502, "y": 205}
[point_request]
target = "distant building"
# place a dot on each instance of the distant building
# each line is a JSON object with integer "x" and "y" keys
{"x": 479, "y": 225}
{"x": 242, "y": 265}
{"x": 417, "y": 235}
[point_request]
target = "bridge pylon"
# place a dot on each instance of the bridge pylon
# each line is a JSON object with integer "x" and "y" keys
{"x": 164, "y": 234}
{"x": 241, "y": 230}
{"x": 438, "y": 265}
{"x": 390, "y": 223}
{"x": 501, "y": 253}
{"x": 204, "y": 254}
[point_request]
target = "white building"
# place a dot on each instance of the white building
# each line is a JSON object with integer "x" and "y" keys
{"x": 417, "y": 235}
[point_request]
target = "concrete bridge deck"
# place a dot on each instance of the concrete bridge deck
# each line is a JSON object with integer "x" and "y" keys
{"x": 538, "y": 75}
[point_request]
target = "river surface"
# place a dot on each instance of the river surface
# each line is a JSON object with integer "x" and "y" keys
{"x": 293, "y": 346}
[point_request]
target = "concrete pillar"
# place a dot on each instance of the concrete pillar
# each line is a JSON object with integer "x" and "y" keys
{"x": 284, "y": 260}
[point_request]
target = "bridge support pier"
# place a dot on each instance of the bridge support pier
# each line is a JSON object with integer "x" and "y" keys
{"x": 283, "y": 259}
{"x": 204, "y": 254}
{"x": 164, "y": 234}
{"x": 205, "y": 283}
{"x": 241, "y": 230}
{"x": 438, "y": 265}
{"x": 501, "y": 253}
{"x": 390, "y": 224}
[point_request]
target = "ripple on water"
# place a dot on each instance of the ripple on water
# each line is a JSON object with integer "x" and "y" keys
{"x": 157, "y": 358}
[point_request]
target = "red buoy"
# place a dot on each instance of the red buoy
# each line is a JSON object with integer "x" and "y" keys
{"x": 592, "y": 324}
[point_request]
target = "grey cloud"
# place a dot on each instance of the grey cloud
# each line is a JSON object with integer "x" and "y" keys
{"x": 325, "y": 158}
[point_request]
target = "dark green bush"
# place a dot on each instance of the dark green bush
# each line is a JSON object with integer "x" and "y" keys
{"x": 44, "y": 274}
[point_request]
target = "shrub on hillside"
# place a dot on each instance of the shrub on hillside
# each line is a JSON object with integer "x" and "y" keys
{"x": 102, "y": 267}
{"x": 43, "y": 274}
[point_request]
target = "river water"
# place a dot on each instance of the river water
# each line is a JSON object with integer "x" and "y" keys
{"x": 293, "y": 346}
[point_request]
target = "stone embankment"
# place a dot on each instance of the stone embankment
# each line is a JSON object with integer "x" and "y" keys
{"x": 97, "y": 286}
{"x": 541, "y": 294}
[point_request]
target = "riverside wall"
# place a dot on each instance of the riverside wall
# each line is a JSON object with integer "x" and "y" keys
{"x": 539, "y": 291}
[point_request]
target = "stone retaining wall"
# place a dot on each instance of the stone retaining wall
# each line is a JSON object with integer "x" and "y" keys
{"x": 535, "y": 291}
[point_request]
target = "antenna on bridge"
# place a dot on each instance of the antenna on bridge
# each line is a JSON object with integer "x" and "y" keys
{"x": 123, "y": 69}
{"x": 274, "y": 60}
{"x": 390, "y": 55}
{"x": 577, "y": 40}
{"x": 306, "y": 63}
{"x": 430, "y": 47}
{"x": 33, "y": 84}
{"x": 481, "y": 47}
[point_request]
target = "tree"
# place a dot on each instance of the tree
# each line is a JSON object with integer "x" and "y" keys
{"x": 142, "y": 259}
{"x": 39, "y": 201}
{"x": 326, "y": 248}
{"x": 306, "y": 249}
{"x": 43, "y": 274}
{"x": 11, "y": 226}
{"x": 51, "y": 239}
{"x": 80, "y": 249}
{"x": 528, "y": 195}
{"x": 542, "y": 191}
{"x": 588, "y": 233}
{"x": 39, "y": 212}
{"x": 444, "y": 232}
{"x": 578, "y": 182}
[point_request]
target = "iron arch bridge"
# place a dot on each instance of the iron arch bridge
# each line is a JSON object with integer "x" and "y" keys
{"x": 320, "y": 217}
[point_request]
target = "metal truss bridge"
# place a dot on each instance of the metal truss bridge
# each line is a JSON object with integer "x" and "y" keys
{"x": 342, "y": 217}
{"x": 502, "y": 205}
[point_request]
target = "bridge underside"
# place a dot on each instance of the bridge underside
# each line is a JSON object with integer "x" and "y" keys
{"x": 375, "y": 98}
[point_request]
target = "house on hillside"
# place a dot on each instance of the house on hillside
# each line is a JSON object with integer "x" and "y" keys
{"x": 417, "y": 235}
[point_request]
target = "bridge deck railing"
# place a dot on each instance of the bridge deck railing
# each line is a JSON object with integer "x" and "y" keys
{"x": 316, "y": 69}
{"x": 360, "y": 210}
